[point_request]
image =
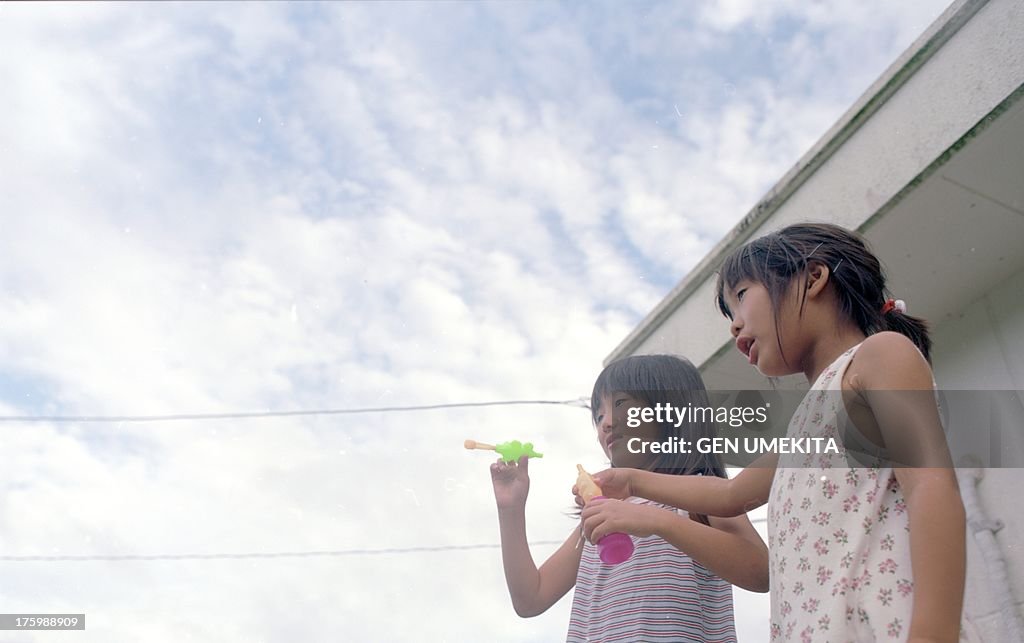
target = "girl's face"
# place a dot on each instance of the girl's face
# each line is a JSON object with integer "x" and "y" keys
{"x": 757, "y": 335}
{"x": 614, "y": 434}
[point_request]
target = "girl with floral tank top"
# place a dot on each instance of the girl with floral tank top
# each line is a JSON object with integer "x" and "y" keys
{"x": 867, "y": 544}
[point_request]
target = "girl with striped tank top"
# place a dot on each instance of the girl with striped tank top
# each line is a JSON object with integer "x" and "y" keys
{"x": 675, "y": 586}
{"x": 868, "y": 544}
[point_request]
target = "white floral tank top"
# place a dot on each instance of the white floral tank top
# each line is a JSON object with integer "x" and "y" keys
{"x": 839, "y": 547}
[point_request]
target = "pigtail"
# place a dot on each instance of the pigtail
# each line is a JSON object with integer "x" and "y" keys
{"x": 914, "y": 328}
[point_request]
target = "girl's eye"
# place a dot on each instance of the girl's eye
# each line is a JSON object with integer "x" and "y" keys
{"x": 739, "y": 294}
{"x": 618, "y": 403}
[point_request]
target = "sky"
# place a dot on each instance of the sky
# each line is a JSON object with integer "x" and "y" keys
{"x": 246, "y": 207}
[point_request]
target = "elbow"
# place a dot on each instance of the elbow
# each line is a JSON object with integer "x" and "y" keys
{"x": 734, "y": 505}
{"x": 527, "y": 608}
{"x": 736, "y": 510}
{"x": 522, "y": 611}
{"x": 527, "y": 613}
{"x": 761, "y": 584}
{"x": 757, "y": 578}
{"x": 756, "y": 582}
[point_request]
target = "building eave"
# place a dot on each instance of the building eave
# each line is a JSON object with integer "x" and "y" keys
{"x": 895, "y": 76}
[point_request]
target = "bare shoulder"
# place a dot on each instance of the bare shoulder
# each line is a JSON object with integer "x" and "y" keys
{"x": 889, "y": 360}
{"x": 888, "y": 345}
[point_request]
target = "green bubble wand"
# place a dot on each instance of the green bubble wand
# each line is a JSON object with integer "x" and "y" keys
{"x": 509, "y": 451}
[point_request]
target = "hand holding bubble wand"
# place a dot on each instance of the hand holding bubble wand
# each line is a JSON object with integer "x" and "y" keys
{"x": 509, "y": 451}
{"x": 612, "y": 549}
{"x": 615, "y": 547}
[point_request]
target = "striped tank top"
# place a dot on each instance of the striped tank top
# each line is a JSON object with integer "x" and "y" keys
{"x": 659, "y": 594}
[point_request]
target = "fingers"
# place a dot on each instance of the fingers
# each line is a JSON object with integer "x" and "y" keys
{"x": 615, "y": 483}
{"x": 510, "y": 470}
{"x": 593, "y": 528}
{"x": 593, "y": 517}
{"x": 502, "y": 469}
{"x": 498, "y": 467}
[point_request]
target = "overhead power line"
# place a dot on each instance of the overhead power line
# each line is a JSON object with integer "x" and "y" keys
{"x": 174, "y": 417}
{"x": 328, "y": 553}
{"x": 282, "y": 554}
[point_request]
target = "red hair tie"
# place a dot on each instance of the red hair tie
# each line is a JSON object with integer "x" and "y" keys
{"x": 898, "y": 305}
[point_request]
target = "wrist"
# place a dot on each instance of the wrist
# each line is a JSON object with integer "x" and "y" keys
{"x": 512, "y": 510}
{"x": 661, "y": 523}
{"x": 637, "y": 483}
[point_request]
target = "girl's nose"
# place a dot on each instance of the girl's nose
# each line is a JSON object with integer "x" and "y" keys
{"x": 735, "y": 327}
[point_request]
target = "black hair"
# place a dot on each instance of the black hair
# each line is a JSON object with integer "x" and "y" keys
{"x": 664, "y": 379}
{"x": 777, "y": 259}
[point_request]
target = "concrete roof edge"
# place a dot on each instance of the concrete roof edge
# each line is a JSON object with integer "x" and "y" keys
{"x": 894, "y": 77}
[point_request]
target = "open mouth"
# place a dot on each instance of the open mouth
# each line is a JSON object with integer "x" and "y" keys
{"x": 746, "y": 345}
{"x": 743, "y": 345}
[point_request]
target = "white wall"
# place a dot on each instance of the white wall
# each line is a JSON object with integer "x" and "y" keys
{"x": 984, "y": 349}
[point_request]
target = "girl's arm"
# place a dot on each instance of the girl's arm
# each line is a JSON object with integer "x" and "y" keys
{"x": 708, "y": 495}
{"x": 730, "y": 548}
{"x": 736, "y": 552}
{"x": 897, "y": 383}
{"x": 532, "y": 590}
{"x": 938, "y": 555}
